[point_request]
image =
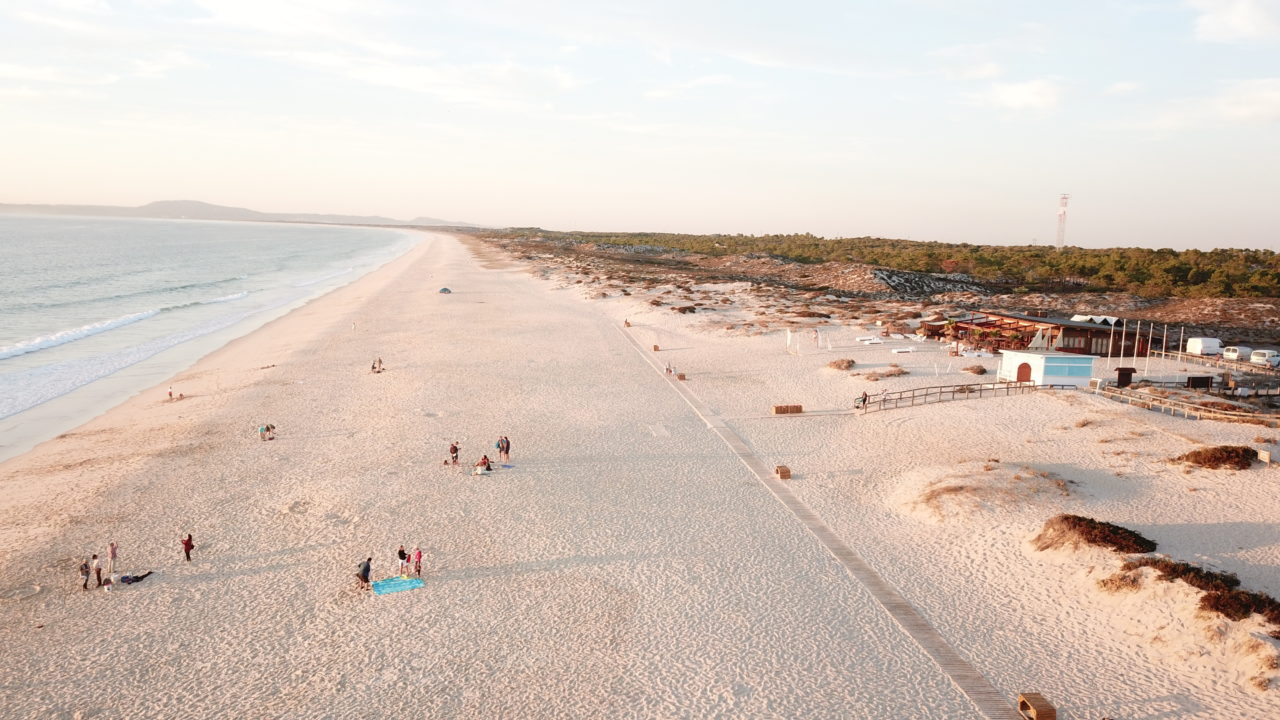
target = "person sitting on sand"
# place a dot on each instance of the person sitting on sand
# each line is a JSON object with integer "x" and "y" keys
{"x": 267, "y": 432}
{"x": 483, "y": 466}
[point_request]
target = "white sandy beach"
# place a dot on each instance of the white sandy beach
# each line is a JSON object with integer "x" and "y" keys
{"x": 629, "y": 563}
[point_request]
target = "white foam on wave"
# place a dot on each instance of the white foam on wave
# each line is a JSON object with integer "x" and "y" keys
{"x": 65, "y": 336}
{"x": 322, "y": 278}
{"x": 25, "y": 389}
{"x": 226, "y": 298}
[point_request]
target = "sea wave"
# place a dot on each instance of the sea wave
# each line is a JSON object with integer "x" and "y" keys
{"x": 226, "y": 298}
{"x": 124, "y": 296}
{"x": 26, "y": 389}
{"x": 65, "y": 336}
{"x": 322, "y": 278}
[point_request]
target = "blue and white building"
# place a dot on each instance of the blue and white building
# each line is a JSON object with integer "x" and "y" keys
{"x": 1046, "y": 367}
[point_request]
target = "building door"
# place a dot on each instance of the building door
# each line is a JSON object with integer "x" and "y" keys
{"x": 1024, "y": 373}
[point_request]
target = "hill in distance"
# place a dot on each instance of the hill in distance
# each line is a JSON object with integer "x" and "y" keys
{"x": 196, "y": 210}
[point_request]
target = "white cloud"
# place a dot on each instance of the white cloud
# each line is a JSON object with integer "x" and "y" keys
{"x": 681, "y": 88}
{"x": 54, "y": 75}
{"x": 1250, "y": 101}
{"x": 1039, "y": 94}
{"x": 1120, "y": 88}
{"x": 1236, "y": 20}
{"x": 1243, "y": 102}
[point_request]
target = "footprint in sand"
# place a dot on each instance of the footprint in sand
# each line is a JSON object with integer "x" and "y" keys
{"x": 21, "y": 592}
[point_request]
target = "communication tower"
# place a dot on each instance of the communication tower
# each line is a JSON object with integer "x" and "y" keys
{"x": 1062, "y": 219}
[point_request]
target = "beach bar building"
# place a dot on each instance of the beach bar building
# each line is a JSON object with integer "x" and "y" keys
{"x": 999, "y": 330}
{"x": 1045, "y": 367}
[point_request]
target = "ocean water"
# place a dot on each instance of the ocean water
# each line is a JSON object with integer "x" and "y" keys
{"x": 93, "y": 310}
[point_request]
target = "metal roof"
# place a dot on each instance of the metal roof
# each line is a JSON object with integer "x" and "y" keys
{"x": 1048, "y": 320}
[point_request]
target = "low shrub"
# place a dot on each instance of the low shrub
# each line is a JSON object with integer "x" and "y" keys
{"x": 976, "y": 369}
{"x": 1197, "y": 577}
{"x": 1264, "y": 440}
{"x": 1084, "y": 422}
{"x": 1065, "y": 529}
{"x": 842, "y": 364}
{"x": 1240, "y": 604}
{"x": 892, "y": 371}
{"x": 1236, "y": 457}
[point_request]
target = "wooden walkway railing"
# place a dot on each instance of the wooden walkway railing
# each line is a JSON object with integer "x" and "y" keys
{"x": 1185, "y": 409}
{"x": 946, "y": 393}
{"x": 1218, "y": 361}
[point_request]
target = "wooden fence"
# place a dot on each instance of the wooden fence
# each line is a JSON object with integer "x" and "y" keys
{"x": 1185, "y": 409}
{"x": 946, "y": 393}
{"x": 1241, "y": 366}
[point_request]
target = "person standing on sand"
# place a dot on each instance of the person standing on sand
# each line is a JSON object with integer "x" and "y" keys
{"x": 113, "y": 551}
{"x": 506, "y": 449}
{"x": 84, "y": 574}
{"x": 417, "y": 561}
{"x": 404, "y": 562}
{"x": 97, "y": 568}
{"x": 187, "y": 546}
{"x": 453, "y": 452}
{"x": 363, "y": 574}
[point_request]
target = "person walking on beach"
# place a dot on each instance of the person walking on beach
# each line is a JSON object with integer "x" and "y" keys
{"x": 453, "y": 452}
{"x": 404, "y": 562}
{"x": 363, "y": 573}
{"x": 113, "y": 551}
{"x": 84, "y": 574}
{"x": 417, "y": 561}
{"x": 187, "y": 546}
{"x": 97, "y": 568}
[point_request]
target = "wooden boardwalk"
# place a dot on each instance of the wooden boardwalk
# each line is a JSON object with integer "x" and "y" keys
{"x": 988, "y": 701}
{"x": 946, "y": 393}
{"x": 1185, "y": 409}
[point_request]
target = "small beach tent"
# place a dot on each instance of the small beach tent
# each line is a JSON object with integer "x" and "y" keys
{"x": 1045, "y": 367}
{"x": 445, "y": 291}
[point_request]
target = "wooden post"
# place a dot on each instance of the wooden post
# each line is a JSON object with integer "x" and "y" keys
{"x": 1033, "y": 706}
{"x": 655, "y": 348}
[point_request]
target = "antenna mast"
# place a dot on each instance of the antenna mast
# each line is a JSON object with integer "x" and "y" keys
{"x": 1062, "y": 219}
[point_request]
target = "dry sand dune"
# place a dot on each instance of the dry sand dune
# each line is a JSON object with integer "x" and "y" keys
{"x": 628, "y": 564}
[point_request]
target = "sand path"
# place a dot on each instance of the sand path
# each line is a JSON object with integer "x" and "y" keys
{"x": 626, "y": 565}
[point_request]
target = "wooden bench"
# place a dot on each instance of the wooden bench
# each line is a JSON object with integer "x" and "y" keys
{"x": 783, "y": 472}
{"x": 1033, "y": 706}
{"x": 787, "y": 409}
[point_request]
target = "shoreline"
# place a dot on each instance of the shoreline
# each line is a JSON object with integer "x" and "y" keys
{"x": 30, "y": 428}
{"x": 152, "y": 399}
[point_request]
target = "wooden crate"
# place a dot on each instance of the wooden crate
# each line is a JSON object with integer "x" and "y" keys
{"x": 655, "y": 348}
{"x": 781, "y": 409}
{"x": 783, "y": 472}
{"x": 1033, "y": 706}
{"x": 797, "y": 408}
{"x": 679, "y": 376}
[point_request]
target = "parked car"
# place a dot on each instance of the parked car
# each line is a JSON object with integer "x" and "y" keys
{"x": 1266, "y": 358}
{"x": 1236, "y": 352}
{"x": 1204, "y": 346}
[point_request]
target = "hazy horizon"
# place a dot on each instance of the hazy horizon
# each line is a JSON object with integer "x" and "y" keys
{"x": 914, "y": 119}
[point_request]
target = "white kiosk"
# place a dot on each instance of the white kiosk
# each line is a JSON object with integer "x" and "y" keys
{"x": 1045, "y": 367}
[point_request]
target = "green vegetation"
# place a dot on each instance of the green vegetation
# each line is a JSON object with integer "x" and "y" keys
{"x": 1153, "y": 273}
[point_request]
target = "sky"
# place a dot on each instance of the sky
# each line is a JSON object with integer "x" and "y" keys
{"x": 946, "y": 120}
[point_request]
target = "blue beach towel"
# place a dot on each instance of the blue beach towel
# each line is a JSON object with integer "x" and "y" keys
{"x": 396, "y": 584}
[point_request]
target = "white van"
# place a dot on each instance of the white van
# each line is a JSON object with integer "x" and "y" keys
{"x": 1204, "y": 346}
{"x": 1236, "y": 352}
{"x": 1266, "y": 358}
